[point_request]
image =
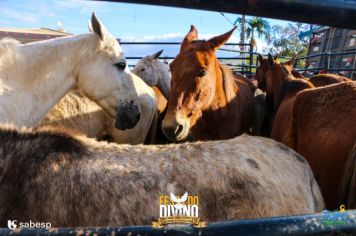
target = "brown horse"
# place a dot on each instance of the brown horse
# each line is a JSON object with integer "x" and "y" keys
{"x": 263, "y": 67}
{"x": 270, "y": 82}
{"x": 206, "y": 99}
{"x": 324, "y": 132}
{"x": 317, "y": 123}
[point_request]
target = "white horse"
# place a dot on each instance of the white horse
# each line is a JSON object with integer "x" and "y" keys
{"x": 35, "y": 76}
{"x": 154, "y": 72}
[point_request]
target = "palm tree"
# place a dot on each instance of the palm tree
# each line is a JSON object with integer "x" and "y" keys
{"x": 260, "y": 26}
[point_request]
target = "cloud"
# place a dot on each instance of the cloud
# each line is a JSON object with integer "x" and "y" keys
{"x": 170, "y": 37}
{"x": 19, "y": 15}
{"x": 262, "y": 46}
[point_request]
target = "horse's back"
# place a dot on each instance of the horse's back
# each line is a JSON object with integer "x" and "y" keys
{"x": 324, "y": 132}
{"x": 75, "y": 111}
{"x": 327, "y": 79}
{"x": 248, "y": 180}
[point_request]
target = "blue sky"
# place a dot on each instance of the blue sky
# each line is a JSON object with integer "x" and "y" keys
{"x": 130, "y": 22}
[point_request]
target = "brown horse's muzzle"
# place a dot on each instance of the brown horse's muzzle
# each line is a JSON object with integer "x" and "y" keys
{"x": 175, "y": 130}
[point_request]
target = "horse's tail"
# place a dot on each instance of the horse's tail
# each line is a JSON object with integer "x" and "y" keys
{"x": 152, "y": 132}
{"x": 347, "y": 189}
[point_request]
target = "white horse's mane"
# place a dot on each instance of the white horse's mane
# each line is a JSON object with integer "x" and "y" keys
{"x": 8, "y": 51}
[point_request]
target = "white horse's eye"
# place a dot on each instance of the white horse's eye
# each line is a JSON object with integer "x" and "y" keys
{"x": 120, "y": 65}
{"x": 143, "y": 69}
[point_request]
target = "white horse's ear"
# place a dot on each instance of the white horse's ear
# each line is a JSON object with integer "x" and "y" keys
{"x": 90, "y": 27}
{"x": 98, "y": 27}
{"x": 157, "y": 54}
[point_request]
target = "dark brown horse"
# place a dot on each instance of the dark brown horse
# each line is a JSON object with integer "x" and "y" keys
{"x": 263, "y": 67}
{"x": 206, "y": 99}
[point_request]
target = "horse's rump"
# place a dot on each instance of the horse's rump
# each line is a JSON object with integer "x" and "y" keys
{"x": 324, "y": 132}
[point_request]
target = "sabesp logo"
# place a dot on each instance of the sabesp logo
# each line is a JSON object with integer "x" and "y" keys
{"x": 11, "y": 224}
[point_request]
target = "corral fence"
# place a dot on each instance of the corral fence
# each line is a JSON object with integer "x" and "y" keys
{"x": 238, "y": 60}
{"x": 245, "y": 61}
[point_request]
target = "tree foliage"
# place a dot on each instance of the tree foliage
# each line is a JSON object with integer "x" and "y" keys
{"x": 285, "y": 40}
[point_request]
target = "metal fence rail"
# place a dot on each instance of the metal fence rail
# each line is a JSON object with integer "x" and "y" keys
{"x": 243, "y": 60}
{"x": 246, "y": 61}
{"x": 329, "y": 223}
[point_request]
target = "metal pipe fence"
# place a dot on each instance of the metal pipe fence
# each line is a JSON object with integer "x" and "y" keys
{"x": 245, "y": 61}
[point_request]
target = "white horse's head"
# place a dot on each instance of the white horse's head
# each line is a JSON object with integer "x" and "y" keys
{"x": 147, "y": 69}
{"x": 154, "y": 72}
{"x": 105, "y": 78}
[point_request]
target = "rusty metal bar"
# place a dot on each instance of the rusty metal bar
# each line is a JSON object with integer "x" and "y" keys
{"x": 337, "y": 13}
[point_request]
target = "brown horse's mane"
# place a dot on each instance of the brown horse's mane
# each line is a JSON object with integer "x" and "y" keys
{"x": 230, "y": 87}
{"x": 230, "y": 82}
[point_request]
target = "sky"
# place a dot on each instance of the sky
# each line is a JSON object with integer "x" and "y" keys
{"x": 129, "y": 22}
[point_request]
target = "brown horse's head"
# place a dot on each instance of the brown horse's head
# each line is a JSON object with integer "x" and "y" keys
{"x": 277, "y": 73}
{"x": 194, "y": 75}
{"x": 261, "y": 72}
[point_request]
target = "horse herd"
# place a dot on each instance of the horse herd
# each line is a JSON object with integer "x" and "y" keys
{"x": 71, "y": 111}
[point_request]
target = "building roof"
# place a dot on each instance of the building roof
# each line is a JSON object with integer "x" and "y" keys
{"x": 35, "y": 31}
{"x": 31, "y": 35}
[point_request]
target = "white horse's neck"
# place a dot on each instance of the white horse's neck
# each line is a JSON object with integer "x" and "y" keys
{"x": 43, "y": 73}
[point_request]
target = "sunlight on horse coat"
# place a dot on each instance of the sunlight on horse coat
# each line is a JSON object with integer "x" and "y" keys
{"x": 78, "y": 112}
{"x": 35, "y": 76}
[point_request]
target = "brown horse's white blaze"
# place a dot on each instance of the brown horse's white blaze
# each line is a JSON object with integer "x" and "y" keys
{"x": 204, "y": 94}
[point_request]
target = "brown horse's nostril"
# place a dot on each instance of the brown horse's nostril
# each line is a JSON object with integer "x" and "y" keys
{"x": 174, "y": 132}
{"x": 179, "y": 129}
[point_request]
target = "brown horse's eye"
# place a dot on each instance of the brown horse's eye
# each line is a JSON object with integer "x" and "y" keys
{"x": 202, "y": 73}
{"x": 143, "y": 69}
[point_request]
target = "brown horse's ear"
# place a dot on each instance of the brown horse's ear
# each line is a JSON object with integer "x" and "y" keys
{"x": 291, "y": 61}
{"x": 260, "y": 58}
{"x": 220, "y": 40}
{"x": 275, "y": 57}
{"x": 270, "y": 60}
{"x": 192, "y": 35}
